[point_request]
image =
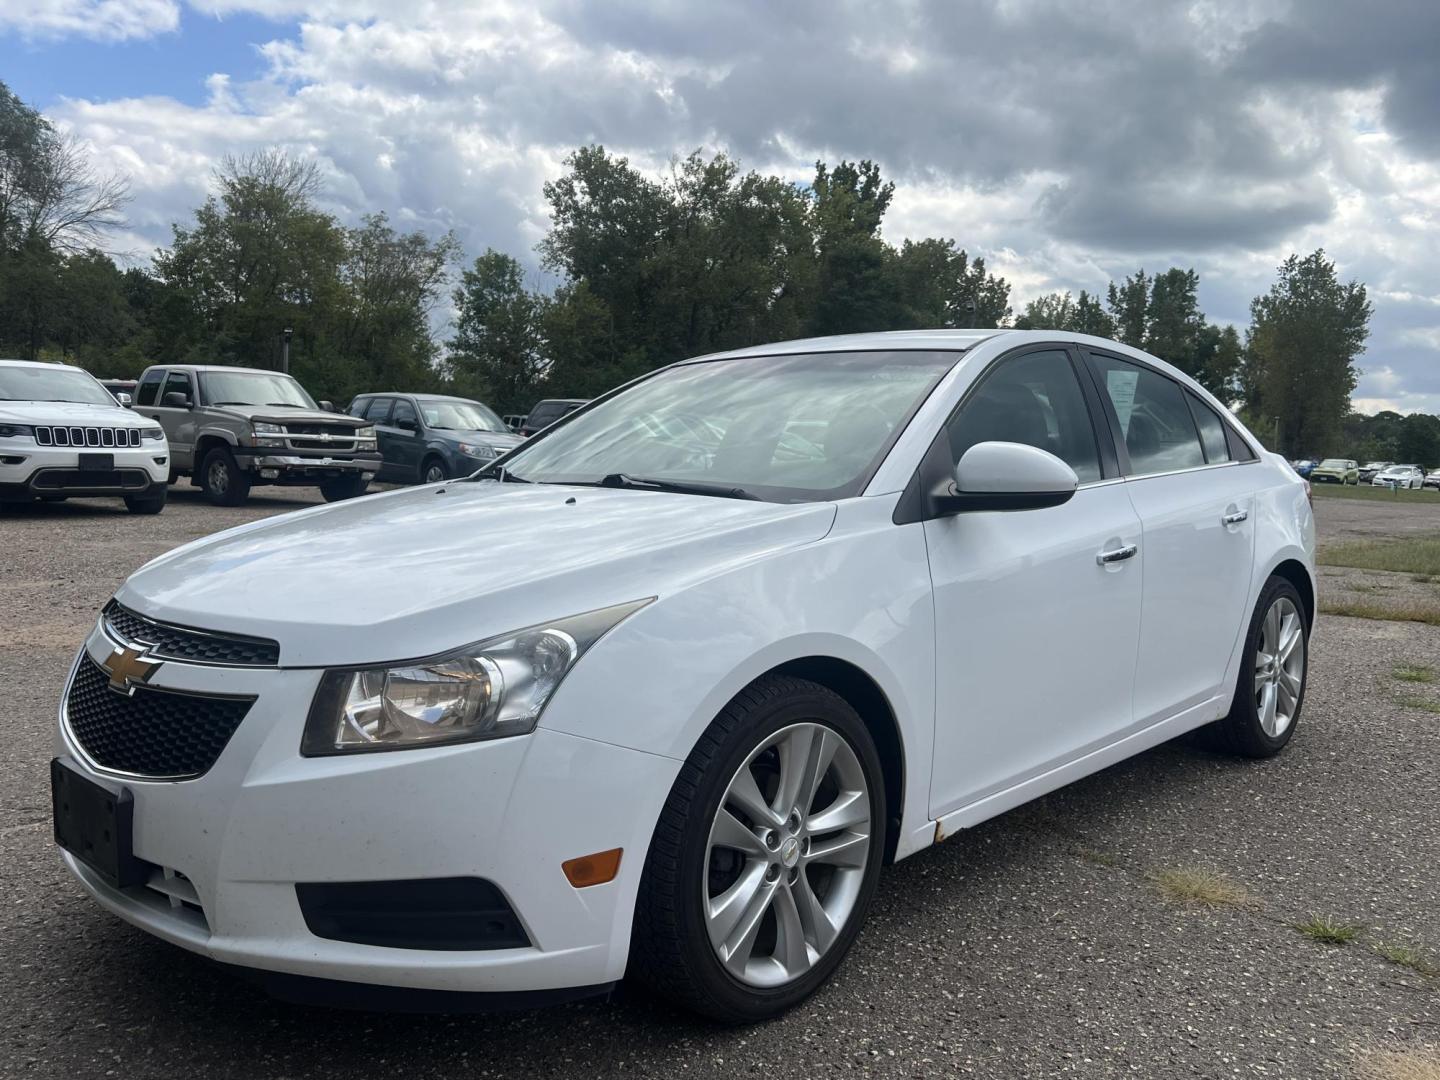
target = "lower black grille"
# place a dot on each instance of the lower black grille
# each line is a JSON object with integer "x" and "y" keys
{"x": 152, "y": 732}
{"x": 169, "y": 642}
{"x": 90, "y": 480}
{"x": 423, "y": 913}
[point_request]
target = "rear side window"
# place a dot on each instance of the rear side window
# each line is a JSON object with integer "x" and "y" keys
{"x": 1212, "y": 430}
{"x": 1158, "y": 429}
{"x": 378, "y": 410}
{"x": 148, "y": 392}
{"x": 1033, "y": 399}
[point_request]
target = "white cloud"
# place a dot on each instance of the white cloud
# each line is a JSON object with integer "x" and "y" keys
{"x": 104, "y": 20}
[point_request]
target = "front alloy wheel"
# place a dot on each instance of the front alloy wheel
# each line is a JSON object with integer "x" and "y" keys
{"x": 766, "y": 854}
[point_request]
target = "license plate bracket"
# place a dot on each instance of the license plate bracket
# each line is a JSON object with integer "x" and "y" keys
{"x": 96, "y": 462}
{"x": 96, "y": 823}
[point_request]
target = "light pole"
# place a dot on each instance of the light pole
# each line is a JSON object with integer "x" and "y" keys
{"x": 285, "y": 350}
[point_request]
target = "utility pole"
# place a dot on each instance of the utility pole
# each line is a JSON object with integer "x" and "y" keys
{"x": 285, "y": 350}
{"x": 1277, "y": 435}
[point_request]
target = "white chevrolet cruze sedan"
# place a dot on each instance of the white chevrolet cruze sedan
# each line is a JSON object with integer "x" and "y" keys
{"x": 661, "y": 690}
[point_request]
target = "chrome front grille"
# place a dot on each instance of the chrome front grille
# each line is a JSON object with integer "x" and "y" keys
{"x": 302, "y": 436}
{"x": 164, "y": 641}
{"x": 101, "y": 438}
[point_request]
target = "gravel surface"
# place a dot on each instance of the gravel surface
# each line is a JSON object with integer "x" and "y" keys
{"x": 1035, "y": 945}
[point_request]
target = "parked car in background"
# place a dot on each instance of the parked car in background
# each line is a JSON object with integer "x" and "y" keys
{"x": 1433, "y": 479}
{"x": 63, "y": 434}
{"x": 1369, "y": 469}
{"x": 1304, "y": 467}
{"x": 546, "y": 412}
{"x": 122, "y": 390}
{"x": 1405, "y": 476}
{"x": 641, "y": 703}
{"x": 1335, "y": 471}
{"x": 426, "y": 438}
{"x": 232, "y": 429}
{"x": 514, "y": 421}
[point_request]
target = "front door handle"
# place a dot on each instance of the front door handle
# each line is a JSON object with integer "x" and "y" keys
{"x": 1119, "y": 554}
{"x": 1235, "y": 518}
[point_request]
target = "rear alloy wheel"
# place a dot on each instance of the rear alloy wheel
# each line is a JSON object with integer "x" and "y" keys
{"x": 766, "y": 855}
{"x": 1271, "y": 689}
{"x": 222, "y": 480}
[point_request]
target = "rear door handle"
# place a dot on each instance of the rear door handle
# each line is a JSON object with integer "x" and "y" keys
{"x": 1236, "y": 518}
{"x": 1119, "y": 554}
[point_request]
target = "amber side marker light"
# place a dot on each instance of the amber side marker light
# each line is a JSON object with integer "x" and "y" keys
{"x": 594, "y": 869}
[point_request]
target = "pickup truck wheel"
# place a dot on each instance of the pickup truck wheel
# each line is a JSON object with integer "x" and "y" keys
{"x": 222, "y": 480}
{"x": 152, "y": 502}
{"x": 344, "y": 487}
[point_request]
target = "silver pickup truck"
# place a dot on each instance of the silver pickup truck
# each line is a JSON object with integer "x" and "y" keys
{"x": 231, "y": 429}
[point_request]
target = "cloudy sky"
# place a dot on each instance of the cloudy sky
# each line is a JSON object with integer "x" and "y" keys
{"x": 1069, "y": 142}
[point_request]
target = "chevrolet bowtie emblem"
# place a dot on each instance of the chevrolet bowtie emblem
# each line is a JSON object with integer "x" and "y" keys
{"x": 128, "y": 668}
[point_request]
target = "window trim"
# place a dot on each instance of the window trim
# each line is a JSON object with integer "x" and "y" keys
{"x": 1194, "y": 402}
{"x": 935, "y": 465}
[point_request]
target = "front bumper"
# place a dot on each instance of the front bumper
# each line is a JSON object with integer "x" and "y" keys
{"x": 1327, "y": 478}
{"x": 230, "y": 846}
{"x": 28, "y": 470}
{"x": 305, "y": 467}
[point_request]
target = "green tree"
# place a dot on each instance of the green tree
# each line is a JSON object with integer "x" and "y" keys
{"x": 1129, "y": 305}
{"x": 1051, "y": 311}
{"x": 853, "y": 290}
{"x": 940, "y": 286}
{"x": 497, "y": 351}
{"x": 1305, "y": 335}
{"x": 1419, "y": 440}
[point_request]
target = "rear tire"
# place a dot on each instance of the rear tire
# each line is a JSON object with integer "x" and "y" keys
{"x": 1270, "y": 691}
{"x": 222, "y": 480}
{"x": 800, "y": 872}
{"x": 344, "y": 487}
{"x": 151, "y": 502}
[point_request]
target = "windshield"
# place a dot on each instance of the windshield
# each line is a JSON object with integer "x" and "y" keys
{"x": 51, "y": 384}
{"x": 253, "y": 388}
{"x": 460, "y": 416}
{"x": 783, "y": 428}
{"x": 1334, "y": 463}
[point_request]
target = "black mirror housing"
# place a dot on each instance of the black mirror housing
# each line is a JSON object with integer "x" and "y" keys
{"x": 175, "y": 400}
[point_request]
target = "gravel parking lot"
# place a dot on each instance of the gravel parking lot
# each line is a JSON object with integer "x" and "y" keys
{"x": 1040, "y": 944}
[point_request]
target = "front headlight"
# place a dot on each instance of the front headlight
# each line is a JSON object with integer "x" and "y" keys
{"x": 367, "y": 432}
{"x": 478, "y": 450}
{"x": 264, "y": 434}
{"x": 488, "y": 690}
{"x": 152, "y": 433}
{"x": 12, "y": 431}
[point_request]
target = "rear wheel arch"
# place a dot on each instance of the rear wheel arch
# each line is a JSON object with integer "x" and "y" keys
{"x": 1294, "y": 571}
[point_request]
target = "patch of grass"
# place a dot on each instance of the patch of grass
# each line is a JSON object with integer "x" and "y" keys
{"x": 1367, "y": 493}
{"x": 1197, "y": 885}
{"x": 1412, "y": 555}
{"x": 1324, "y": 929}
{"x": 1099, "y": 858}
{"x": 1414, "y": 673}
{"x": 1389, "y": 610}
{"x": 1416, "y": 1063}
{"x": 1409, "y": 957}
{"x": 1414, "y": 701}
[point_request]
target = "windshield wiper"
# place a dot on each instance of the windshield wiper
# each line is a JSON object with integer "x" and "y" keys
{"x": 679, "y": 487}
{"x": 286, "y": 405}
{"x": 217, "y": 404}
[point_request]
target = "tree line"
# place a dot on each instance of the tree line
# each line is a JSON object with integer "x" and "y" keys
{"x": 651, "y": 270}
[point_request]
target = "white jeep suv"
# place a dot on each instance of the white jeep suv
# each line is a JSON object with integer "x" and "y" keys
{"x": 63, "y": 434}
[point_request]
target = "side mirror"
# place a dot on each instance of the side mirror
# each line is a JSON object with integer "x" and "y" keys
{"x": 327, "y": 406}
{"x": 407, "y": 425}
{"x": 124, "y": 399}
{"x": 1006, "y": 476}
{"x": 175, "y": 400}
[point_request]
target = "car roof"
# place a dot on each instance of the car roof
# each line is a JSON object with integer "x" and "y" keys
{"x": 921, "y": 340}
{"x": 38, "y": 364}
{"x": 218, "y": 367}
{"x": 418, "y": 397}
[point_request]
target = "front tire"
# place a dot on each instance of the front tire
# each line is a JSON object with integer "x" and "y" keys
{"x": 433, "y": 470}
{"x": 765, "y": 857}
{"x": 1270, "y": 691}
{"x": 152, "y": 502}
{"x": 343, "y": 487}
{"x": 222, "y": 480}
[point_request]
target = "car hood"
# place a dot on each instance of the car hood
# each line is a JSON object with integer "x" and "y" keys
{"x": 275, "y": 415}
{"x": 421, "y": 571}
{"x": 70, "y": 412}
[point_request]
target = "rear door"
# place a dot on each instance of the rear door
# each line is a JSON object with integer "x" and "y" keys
{"x": 1196, "y": 507}
{"x": 1035, "y": 633}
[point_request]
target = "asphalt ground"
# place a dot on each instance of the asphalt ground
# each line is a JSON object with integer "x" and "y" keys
{"x": 1039, "y": 944}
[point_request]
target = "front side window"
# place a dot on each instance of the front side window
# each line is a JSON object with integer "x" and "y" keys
{"x": 177, "y": 382}
{"x": 253, "y": 388}
{"x": 1155, "y": 422}
{"x": 783, "y": 428}
{"x": 405, "y": 416}
{"x": 1033, "y": 399}
{"x": 24, "y": 383}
